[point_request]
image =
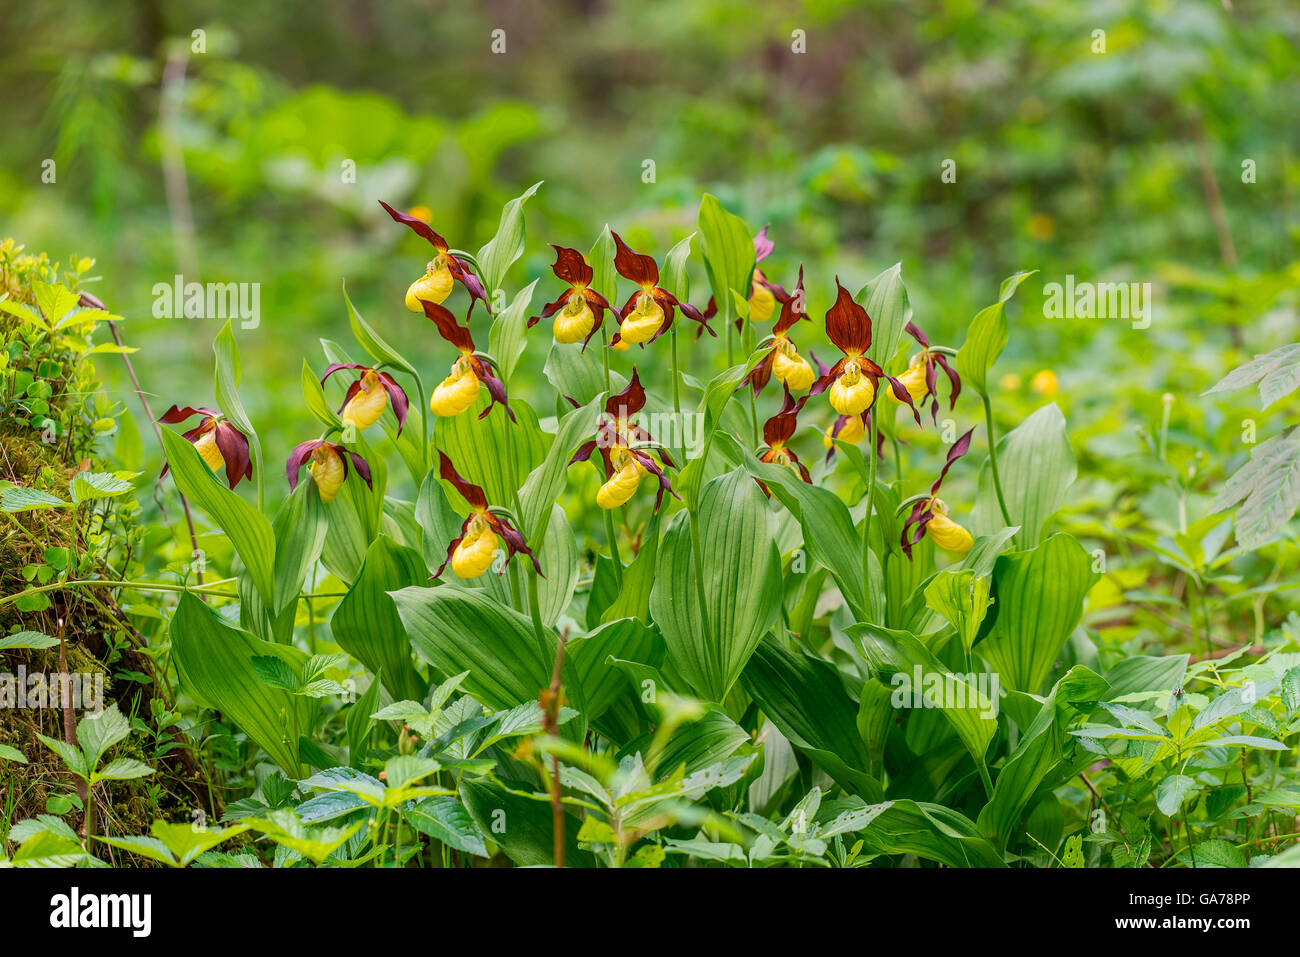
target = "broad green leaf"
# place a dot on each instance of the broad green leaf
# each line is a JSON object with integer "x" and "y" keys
{"x": 300, "y": 529}
{"x": 1040, "y": 749}
{"x": 673, "y": 277}
{"x": 372, "y": 343}
{"x": 1172, "y": 792}
{"x": 1037, "y": 468}
{"x": 247, "y": 528}
{"x": 741, "y": 579}
{"x": 228, "y": 374}
{"x": 460, "y": 629}
{"x": 519, "y": 826}
{"x": 28, "y": 639}
{"x": 1040, "y": 595}
{"x": 215, "y": 663}
{"x": 366, "y": 624}
{"x": 285, "y": 828}
{"x": 605, "y": 277}
{"x": 8, "y": 753}
{"x": 501, "y": 251}
{"x": 443, "y": 818}
{"x": 122, "y": 769}
{"x": 962, "y": 597}
{"x": 591, "y": 680}
{"x": 633, "y": 599}
{"x": 806, "y": 699}
{"x": 480, "y": 449}
{"x": 987, "y": 337}
{"x": 728, "y": 250}
{"x": 507, "y": 337}
{"x": 919, "y": 680}
{"x": 360, "y": 720}
{"x": 96, "y": 733}
{"x": 885, "y": 299}
{"x": 314, "y": 397}
{"x": 559, "y": 559}
{"x": 19, "y": 499}
{"x": 546, "y": 477}
{"x": 86, "y": 486}
{"x": 930, "y": 831}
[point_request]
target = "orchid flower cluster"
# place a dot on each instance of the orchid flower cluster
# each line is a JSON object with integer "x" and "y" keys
{"x": 627, "y": 451}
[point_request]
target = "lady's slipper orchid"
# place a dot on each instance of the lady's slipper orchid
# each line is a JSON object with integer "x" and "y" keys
{"x": 584, "y": 308}
{"x": 854, "y": 379}
{"x": 219, "y": 442}
{"x": 930, "y": 514}
{"x": 647, "y": 314}
{"x": 623, "y": 447}
{"x": 472, "y": 552}
{"x": 777, "y": 431}
{"x": 369, "y": 395}
{"x": 920, "y": 379}
{"x": 469, "y": 373}
{"x": 442, "y": 272}
{"x": 328, "y": 467}
{"x": 783, "y": 360}
{"x": 852, "y": 429}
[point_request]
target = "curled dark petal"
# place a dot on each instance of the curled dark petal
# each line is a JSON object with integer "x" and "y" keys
{"x": 958, "y": 449}
{"x": 397, "y": 396}
{"x": 177, "y": 414}
{"x": 638, "y": 267}
{"x": 361, "y": 465}
{"x": 902, "y": 395}
{"x": 468, "y": 490}
{"x": 301, "y": 452}
{"x": 458, "y": 335}
{"x": 419, "y": 227}
{"x": 234, "y": 450}
{"x": 847, "y": 324}
{"x": 451, "y": 549}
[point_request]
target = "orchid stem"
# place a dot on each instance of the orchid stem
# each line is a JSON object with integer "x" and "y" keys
{"x": 993, "y": 461}
{"x": 871, "y": 502}
{"x": 613, "y": 548}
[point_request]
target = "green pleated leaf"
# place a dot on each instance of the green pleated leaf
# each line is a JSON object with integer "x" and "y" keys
{"x": 372, "y": 342}
{"x": 920, "y": 680}
{"x": 931, "y": 831}
{"x": 500, "y": 252}
{"x": 300, "y": 529}
{"x": 506, "y": 338}
{"x": 806, "y": 699}
{"x": 546, "y": 476}
{"x": 741, "y": 579}
{"x": 1037, "y": 468}
{"x": 1039, "y": 601}
{"x": 591, "y": 679}
{"x": 215, "y": 662}
{"x": 480, "y": 448}
{"x": 248, "y": 529}
{"x": 559, "y": 558}
{"x": 829, "y": 534}
{"x": 633, "y": 600}
{"x": 1040, "y": 750}
{"x": 673, "y": 277}
{"x": 885, "y": 299}
{"x": 366, "y": 624}
{"x": 728, "y": 249}
{"x": 604, "y": 275}
{"x": 460, "y": 629}
{"x": 519, "y": 826}
{"x": 228, "y": 373}
{"x": 349, "y": 532}
{"x": 987, "y": 337}
{"x": 445, "y": 819}
{"x": 314, "y": 397}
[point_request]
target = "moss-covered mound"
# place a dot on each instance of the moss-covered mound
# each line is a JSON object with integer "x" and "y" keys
{"x": 52, "y": 414}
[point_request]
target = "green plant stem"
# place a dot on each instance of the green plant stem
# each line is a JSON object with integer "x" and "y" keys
{"x": 210, "y": 589}
{"x": 612, "y": 536}
{"x": 604, "y": 355}
{"x": 426, "y": 423}
{"x": 871, "y": 502}
{"x": 993, "y": 460}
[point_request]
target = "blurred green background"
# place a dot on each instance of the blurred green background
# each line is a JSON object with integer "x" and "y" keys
{"x": 226, "y": 165}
